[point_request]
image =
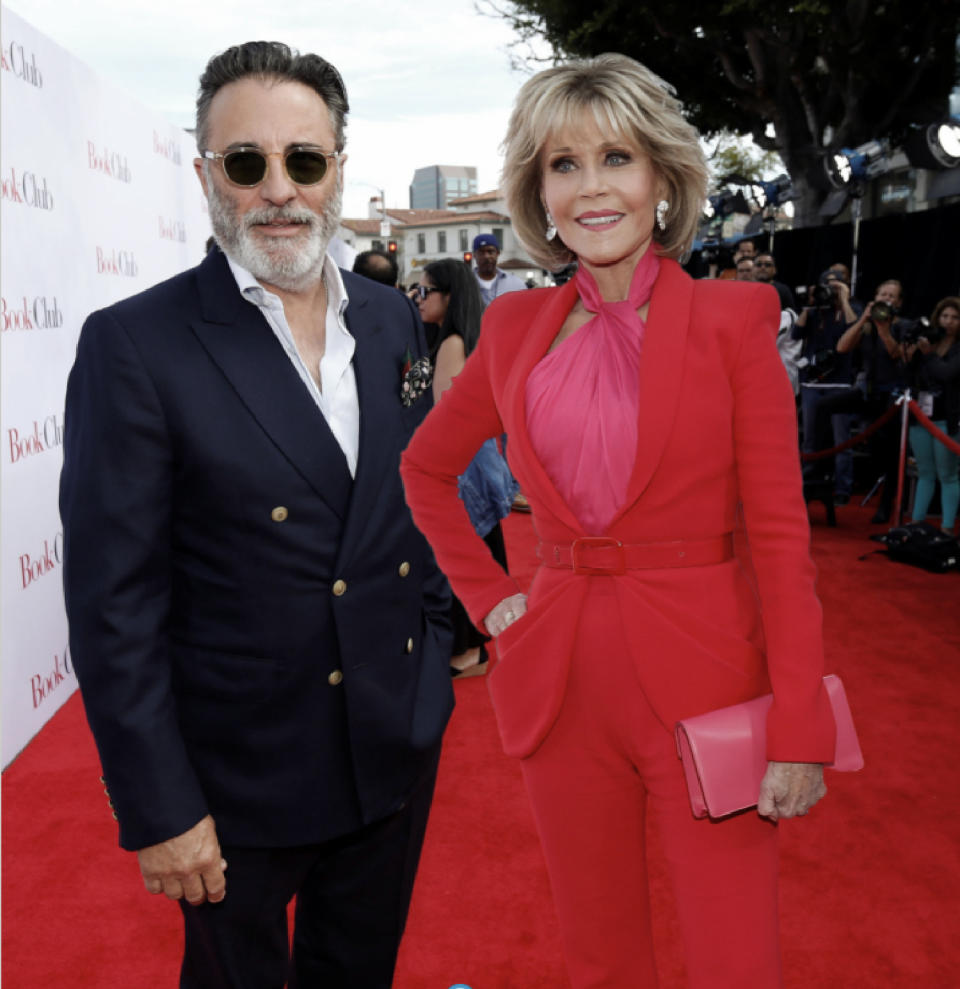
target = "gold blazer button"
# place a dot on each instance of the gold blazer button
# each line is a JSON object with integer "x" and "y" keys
{"x": 279, "y": 514}
{"x": 339, "y": 588}
{"x": 335, "y": 677}
{"x": 403, "y": 569}
{"x": 409, "y": 645}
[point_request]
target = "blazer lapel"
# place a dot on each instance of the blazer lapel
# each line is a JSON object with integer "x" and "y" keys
{"x": 378, "y": 392}
{"x": 536, "y": 342}
{"x": 661, "y": 371}
{"x": 241, "y": 343}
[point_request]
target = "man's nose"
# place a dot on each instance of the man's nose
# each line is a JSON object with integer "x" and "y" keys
{"x": 277, "y": 187}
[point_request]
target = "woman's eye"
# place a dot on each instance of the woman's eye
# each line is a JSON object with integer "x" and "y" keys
{"x": 561, "y": 165}
{"x": 617, "y": 158}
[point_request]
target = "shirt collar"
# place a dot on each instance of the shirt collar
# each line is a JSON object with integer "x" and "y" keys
{"x": 254, "y": 292}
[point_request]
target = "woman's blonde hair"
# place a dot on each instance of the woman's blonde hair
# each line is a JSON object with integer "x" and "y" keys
{"x": 625, "y": 98}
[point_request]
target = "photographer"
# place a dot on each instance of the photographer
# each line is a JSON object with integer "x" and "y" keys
{"x": 825, "y": 373}
{"x": 874, "y": 337}
{"x": 932, "y": 351}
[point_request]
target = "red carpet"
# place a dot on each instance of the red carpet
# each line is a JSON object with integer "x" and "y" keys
{"x": 869, "y": 886}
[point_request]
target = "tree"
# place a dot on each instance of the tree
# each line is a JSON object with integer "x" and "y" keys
{"x": 801, "y": 78}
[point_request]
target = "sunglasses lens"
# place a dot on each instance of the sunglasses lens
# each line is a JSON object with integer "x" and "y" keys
{"x": 245, "y": 167}
{"x": 306, "y": 167}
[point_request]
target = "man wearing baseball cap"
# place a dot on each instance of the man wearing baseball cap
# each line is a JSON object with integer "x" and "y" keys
{"x": 493, "y": 281}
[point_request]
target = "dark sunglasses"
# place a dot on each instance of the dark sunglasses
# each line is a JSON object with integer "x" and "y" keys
{"x": 424, "y": 290}
{"x": 247, "y": 167}
{"x": 763, "y": 264}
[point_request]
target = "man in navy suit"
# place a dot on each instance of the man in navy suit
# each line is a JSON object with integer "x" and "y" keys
{"x": 258, "y": 629}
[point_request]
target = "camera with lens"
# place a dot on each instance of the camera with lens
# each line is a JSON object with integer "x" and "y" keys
{"x": 882, "y": 312}
{"x": 819, "y": 296}
{"x": 914, "y": 329}
{"x": 813, "y": 296}
{"x": 826, "y": 289}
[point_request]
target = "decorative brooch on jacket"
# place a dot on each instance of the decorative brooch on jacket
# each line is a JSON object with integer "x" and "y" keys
{"x": 417, "y": 378}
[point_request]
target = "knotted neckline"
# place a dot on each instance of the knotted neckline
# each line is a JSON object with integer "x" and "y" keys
{"x": 582, "y": 401}
{"x": 623, "y": 313}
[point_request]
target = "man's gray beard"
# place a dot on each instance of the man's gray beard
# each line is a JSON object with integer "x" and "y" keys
{"x": 288, "y": 263}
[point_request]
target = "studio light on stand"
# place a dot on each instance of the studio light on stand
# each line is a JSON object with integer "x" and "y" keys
{"x": 717, "y": 208}
{"x": 848, "y": 169}
{"x": 776, "y": 192}
{"x": 935, "y": 146}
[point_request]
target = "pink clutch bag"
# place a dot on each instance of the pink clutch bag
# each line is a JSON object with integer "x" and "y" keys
{"x": 724, "y": 752}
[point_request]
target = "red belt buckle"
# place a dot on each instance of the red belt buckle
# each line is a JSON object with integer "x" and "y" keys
{"x": 587, "y": 543}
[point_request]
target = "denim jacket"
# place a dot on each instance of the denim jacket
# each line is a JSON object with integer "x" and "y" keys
{"x": 487, "y": 488}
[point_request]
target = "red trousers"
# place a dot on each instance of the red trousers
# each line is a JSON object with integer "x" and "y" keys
{"x": 606, "y": 760}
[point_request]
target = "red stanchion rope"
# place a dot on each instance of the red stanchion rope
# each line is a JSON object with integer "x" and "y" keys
{"x": 931, "y": 428}
{"x": 859, "y": 438}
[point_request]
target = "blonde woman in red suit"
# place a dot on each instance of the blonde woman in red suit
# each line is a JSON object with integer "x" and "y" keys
{"x": 646, "y": 413}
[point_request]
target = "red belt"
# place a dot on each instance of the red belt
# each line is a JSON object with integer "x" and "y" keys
{"x": 599, "y": 555}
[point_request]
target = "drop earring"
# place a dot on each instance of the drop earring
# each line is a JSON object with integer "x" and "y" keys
{"x": 551, "y": 230}
{"x": 662, "y": 208}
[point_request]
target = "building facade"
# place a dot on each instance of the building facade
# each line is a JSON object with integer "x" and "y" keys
{"x": 425, "y": 235}
{"x": 434, "y": 186}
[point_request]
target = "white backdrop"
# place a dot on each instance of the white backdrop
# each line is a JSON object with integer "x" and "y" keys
{"x": 99, "y": 201}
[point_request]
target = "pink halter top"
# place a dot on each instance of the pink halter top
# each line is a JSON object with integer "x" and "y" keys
{"x": 582, "y": 400}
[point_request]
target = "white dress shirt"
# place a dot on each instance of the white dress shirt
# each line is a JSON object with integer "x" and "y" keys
{"x": 337, "y": 399}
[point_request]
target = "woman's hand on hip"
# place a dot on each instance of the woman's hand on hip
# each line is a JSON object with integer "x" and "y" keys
{"x": 790, "y": 789}
{"x": 505, "y": 613}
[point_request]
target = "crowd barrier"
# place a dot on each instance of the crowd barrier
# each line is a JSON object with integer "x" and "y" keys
{"x": 907, "y": 407}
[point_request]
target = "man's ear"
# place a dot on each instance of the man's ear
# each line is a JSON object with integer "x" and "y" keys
{"x": 201, "y": 174}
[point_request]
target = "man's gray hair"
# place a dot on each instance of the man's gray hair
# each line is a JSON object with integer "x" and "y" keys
{"x": 272, "y": 60}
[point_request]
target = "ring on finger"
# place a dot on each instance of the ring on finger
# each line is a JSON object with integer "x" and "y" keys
{"x": 508, "y": 617}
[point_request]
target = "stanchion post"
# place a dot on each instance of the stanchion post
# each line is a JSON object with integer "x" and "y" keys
{"x": 902, "y": 460}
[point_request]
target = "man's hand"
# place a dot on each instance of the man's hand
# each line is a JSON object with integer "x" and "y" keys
{"x": 188, "y": 866}
{"x": 790, "y": 789}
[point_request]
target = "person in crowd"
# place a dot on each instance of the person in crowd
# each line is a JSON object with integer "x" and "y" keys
{"x": 789, "y": 349}
{"x": 378, "y": 266}
{"x": 745, "y": 269}
{"x": 746, "y": 248}
{"x": 259, "y": 632}
{"x": 449, "y": 300}
{"x": 934, "y": 373}
{"x": 645, "y": 410}
{"x": 824, "y": 371}
{"x": 765, "y": 270}
{"x": 874, "y": 338}
{"x": 493, "y": 281}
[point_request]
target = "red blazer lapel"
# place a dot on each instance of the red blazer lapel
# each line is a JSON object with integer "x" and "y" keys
{"x": 661, "y": 372}
{"x": 537, "y": 337}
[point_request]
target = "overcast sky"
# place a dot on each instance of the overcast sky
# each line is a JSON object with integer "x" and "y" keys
{"x": 429, "y": 82}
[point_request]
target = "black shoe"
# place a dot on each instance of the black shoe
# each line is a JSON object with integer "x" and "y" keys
{"x": 881, "y": 517}
{"x": 841, "y": 499}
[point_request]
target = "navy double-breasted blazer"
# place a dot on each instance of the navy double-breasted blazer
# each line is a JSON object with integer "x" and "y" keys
{"x": 256, "y": 634}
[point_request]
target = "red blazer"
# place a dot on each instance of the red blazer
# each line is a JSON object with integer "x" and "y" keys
{"x": 717, "y": 442}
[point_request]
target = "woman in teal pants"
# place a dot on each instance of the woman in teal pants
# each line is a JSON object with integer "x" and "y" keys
{"x": 934, "y": 371}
